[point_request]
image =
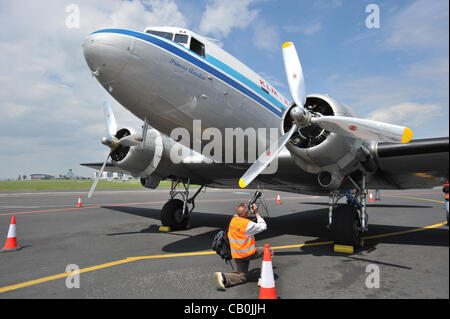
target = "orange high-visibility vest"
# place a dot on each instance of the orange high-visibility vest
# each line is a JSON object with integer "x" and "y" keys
{"x": 446, "y": 194}
{"x": 241, "y": 246}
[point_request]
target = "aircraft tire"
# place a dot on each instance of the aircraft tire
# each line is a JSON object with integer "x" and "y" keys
{"x": 346, "y": 226}
{"x": 171, "y": 215}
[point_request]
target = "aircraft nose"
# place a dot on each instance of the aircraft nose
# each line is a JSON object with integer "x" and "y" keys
{"x": 107, "y": 55}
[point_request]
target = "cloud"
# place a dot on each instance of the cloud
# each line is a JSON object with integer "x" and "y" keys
{"x": 52, "y": 116}
{"x": 148, "y": 13}
{"x": 220, "y": 17}
{"x": 422, "y": 25}
{"x": 416, "y": 97}
{"x": 407, "y": 114}
{"x": 309, "y": 29}
{"x": 266, "y": 37}
{"x": 327, "y": 4}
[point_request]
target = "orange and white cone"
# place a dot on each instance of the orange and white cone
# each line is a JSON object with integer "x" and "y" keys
{"x": 267, "y": 284}
{"x": 79, "y": 201}
{"x": 370, "y": 197}
{"x": 11, "y": 240}
{"x": 278, "y": 199}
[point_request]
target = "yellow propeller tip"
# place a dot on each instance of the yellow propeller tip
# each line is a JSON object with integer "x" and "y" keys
{"x": 407, "y": 135}
{"x": 287, "y": 44}
{"x": 242, "y": 183}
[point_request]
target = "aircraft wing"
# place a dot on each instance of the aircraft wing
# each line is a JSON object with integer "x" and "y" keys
{"x": 109, "y": 167}
{"x": 417, "y": 164}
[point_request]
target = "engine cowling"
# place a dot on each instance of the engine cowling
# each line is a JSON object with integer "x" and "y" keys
{"x": 120, "y": 152}
{"x": 153, "y": 161}
{"x": 140, "y": 162}
{"x": 329, "y": 155}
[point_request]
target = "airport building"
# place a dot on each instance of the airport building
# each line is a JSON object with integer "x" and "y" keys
{"x": 111, "y": 175}
{"x": 42, "y": 176}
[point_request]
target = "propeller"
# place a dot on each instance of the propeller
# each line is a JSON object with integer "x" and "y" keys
{"x": 112, "y": 141}
{"x": 91, "y": 191}
{"x": 346, "y": 126}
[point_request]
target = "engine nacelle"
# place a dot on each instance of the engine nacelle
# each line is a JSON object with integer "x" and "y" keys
{"x": 327, "y": 154}
{"x": 153, "y": 162}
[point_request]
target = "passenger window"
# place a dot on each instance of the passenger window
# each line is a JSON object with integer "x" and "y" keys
{"x": 197, "y": 47}
{"x": 181, "y": 38}
{"x": 167, "y": 35}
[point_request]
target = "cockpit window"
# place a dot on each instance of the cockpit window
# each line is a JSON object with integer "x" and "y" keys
{"x": 197, "y": 47}
{"x": 181, "y": 38}
{"x": 167, "y": 35}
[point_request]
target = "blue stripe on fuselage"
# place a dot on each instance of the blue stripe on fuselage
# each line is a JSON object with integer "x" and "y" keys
{"x": 235, "y": 74}
{"x": 198, "y": 62}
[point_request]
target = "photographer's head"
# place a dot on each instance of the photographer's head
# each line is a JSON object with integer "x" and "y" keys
{"x": 242, "y": 210}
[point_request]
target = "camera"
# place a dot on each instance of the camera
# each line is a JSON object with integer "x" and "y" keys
{"x": 251, "y": 202}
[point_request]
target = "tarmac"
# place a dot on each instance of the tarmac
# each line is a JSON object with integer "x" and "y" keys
{"x": 115, "y": 242}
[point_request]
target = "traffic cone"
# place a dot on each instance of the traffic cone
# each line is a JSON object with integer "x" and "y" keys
{"x": 267, "y": 284}
{"x": 278, "y": 199}
{"x": 79, "y": 201}
{"x": 11, "y": 240}
{"x": 370, "y": 197}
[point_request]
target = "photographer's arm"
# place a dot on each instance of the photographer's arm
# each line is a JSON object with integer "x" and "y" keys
{"x": 255, "y": 228}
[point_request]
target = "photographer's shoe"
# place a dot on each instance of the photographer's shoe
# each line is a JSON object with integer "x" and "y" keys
{"x": 219, "y": 280}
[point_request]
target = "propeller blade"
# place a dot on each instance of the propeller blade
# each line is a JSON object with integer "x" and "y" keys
{"x": 365, "y": 129}
{"x": 144, "y": 133}
{"x": 91, "y": 191}
{"x": 265, "y": 159}
{"x": 130, "y": 140}
{"x": 110, "y": 120}
{"x": 294, "y": 74}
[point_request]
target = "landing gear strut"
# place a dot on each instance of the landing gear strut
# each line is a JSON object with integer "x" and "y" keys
{"x": 348, "y": 221}
{"x": 175, "y": 213}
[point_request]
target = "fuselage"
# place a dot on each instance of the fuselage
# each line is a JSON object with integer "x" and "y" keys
{"x": 170, "y": 85}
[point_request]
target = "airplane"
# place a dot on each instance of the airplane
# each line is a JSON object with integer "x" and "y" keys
{"x": 170, "y": 77}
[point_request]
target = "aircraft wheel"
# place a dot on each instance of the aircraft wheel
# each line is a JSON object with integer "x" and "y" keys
{"x": 346, "y": 226}
{"x": 171, "y": 215}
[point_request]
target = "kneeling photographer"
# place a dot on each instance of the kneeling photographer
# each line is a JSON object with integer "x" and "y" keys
{"x": 242, "y": 244}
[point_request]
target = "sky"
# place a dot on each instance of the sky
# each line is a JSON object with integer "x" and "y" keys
{"x": 51, "y": 115}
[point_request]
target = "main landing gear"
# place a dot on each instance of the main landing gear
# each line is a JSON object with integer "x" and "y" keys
{"x": 348, "y": 221}
{"x": 175, "y": 213}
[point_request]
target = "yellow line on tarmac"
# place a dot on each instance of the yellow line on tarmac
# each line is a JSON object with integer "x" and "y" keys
{"x": 63, "y": 275}
{"x": 102, "y": 266}
{"x": 304, "y": 245}
{"x": 419, "y": 198}
{"x": 406, "y": 231}
{"x": 198, "y": 253}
